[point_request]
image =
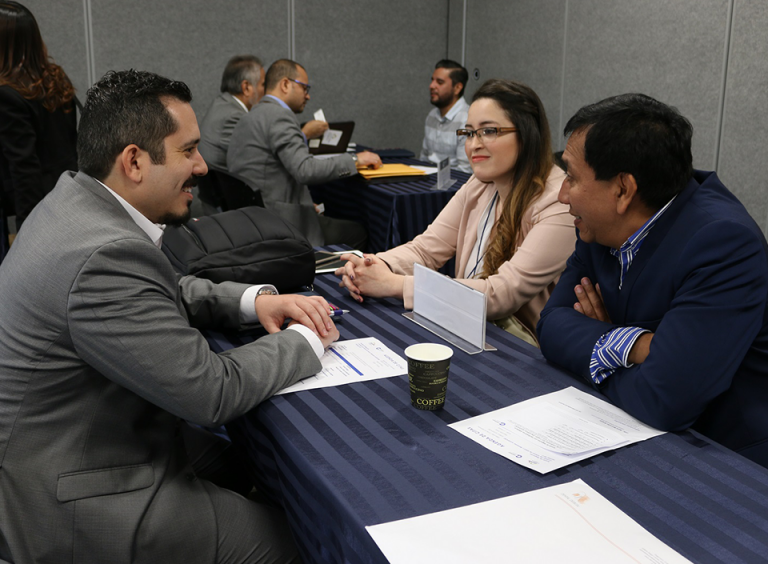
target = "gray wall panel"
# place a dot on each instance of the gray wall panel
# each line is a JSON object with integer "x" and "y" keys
{"x": 673, "y": 51}
{"x": 62, "y": 25}
{"x": 371, "y": 62}
{"x": 189, "y": 41}
{"x": 522, "y": 41}
{"x": 455, "y": 49}
{"x": 745, "y": 119}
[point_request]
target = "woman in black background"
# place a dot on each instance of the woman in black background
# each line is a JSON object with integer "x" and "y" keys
{"x": 37, "y": 118}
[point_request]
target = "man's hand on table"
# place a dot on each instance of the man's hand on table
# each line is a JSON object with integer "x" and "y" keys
{"x": 590, "y": 303}
{"x": 367, "y": 159}
{"x": 311, "y": 311}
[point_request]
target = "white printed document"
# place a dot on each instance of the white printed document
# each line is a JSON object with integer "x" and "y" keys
{"x": 566, "y": 523}
{"x": 350, "y": 361}
{"x": 332, "y": 137}
{"x": 555, "y": 430}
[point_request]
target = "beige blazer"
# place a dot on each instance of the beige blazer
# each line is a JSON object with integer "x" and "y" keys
{"x": 523, "y": 283}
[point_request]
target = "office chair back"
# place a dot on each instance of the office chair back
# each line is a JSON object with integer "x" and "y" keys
{"x": 234, "y": 192}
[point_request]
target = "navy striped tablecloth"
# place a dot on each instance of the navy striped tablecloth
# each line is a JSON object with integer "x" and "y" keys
{"x": 393, "y": 212}
{"x": 342, "y": 458}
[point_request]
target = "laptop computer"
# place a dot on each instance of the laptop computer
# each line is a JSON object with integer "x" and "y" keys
{"x": 334, "y": 140}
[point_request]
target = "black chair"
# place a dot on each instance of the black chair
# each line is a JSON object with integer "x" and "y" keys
{"x": 234, "y": 191}
{"x": 224, "y": 190}
{"x": 208, "y": 191}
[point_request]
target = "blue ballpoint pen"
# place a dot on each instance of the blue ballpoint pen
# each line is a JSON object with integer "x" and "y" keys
{"x": 337, "y": 312}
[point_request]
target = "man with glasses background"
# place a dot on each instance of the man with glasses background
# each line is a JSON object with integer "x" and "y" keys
{"x": 446, "y": 91}
{"x": 269, "y": 150}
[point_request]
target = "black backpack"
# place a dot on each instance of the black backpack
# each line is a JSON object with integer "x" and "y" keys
{"x": 250, "y": 245}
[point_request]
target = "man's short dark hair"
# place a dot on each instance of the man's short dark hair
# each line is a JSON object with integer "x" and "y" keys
{"x": 635, "y": 134}
{"x": 238, "y": 69}
{"x": 458, "y": 74}
{"x": 125, "y": 108}
{"x": 280, "y": 69}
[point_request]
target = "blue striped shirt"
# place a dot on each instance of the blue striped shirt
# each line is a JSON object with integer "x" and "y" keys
{"x": 612, "y": 349}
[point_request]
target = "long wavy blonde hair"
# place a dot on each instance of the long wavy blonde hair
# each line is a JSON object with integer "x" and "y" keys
{"x": 24, "y": 62}
{"x": 534, "y": 163}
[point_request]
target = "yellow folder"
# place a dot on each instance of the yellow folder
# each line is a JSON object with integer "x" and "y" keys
{"x": 390, "y": 170}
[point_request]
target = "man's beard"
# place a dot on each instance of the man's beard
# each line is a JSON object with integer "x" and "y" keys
{"x": 441, "y": 102}
{"x": 180, "y": 219}
{"x": 177, "y": 219}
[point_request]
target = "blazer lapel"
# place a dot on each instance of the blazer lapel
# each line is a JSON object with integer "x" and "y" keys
{"x": 652, "y": 242}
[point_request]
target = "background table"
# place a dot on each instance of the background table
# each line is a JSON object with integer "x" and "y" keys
{"x": 393, "y": 212}
{"x": 342, "y": 458}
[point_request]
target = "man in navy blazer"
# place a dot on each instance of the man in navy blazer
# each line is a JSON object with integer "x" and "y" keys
{"x": 662, "y": 306}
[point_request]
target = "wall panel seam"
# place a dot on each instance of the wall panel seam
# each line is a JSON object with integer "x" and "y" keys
{"x": 291, "y": 34}
{"x": 90, "y": 63}
{"x": 724, "y": 84}
{"x": 560, "y": 139}
{"x": 464, "y": 35}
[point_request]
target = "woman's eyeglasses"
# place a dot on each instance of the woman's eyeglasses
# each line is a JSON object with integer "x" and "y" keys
{"x": 485, "y": 134}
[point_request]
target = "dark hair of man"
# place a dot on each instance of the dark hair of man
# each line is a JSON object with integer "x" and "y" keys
{"x": 635, "y": 134}
{"x": 458, "y": 74}
{"x": 124, "y": 108}
{"x": 534, "y": 163}
{"x": 280, "y": 69}
{"x": 24, "y": 62}
{"x": 238, "y": 69}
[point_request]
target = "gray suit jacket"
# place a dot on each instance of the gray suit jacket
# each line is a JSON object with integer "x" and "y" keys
{"x": 98, "y": 361}
{"x": 267, "y": 149}
{"x": 216, "y": 129}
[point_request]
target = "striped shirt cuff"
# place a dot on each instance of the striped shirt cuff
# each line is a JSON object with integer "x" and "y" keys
{"x": 611, "y": 352}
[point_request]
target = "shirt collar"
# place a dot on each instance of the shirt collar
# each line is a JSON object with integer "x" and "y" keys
{"x": 278, "y": 100}
{"x": 239, "y": 101}
{"x": 455, "y": 109}
{"x": 626, "y": 254}
{"x": 153, "y": 230}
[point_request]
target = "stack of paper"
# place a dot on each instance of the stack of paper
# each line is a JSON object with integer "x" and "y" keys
{"x": 555, "y": 430}
{"x": 391, "y": 170}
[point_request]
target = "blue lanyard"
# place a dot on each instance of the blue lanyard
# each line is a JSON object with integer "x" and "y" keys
{"x": 482, "y": 234}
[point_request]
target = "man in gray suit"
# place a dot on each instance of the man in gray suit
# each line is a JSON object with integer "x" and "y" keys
{"x": 99, "y": 360}
{"x": 242, "y": 86}
{"x": 270, "y": 152}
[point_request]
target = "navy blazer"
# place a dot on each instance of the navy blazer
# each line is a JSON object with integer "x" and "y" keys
{"x": 700, "y": 283}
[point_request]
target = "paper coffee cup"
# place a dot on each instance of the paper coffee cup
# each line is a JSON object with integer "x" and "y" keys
{"x": 428, "y": 365}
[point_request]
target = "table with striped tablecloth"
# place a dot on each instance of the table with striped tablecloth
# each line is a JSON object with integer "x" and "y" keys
{"x": 341, "y": 458}
{"x": 392, "y": 212}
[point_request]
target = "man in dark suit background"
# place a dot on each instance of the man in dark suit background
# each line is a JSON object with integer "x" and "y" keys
{"x": 99, "y": 360}
{"x": 269, "y": 150}
{"x": 663, "y": 306}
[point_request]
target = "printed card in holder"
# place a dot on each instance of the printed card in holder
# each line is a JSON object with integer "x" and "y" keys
{"x": 444, "y": 180}
{"x": 449, "y": 309}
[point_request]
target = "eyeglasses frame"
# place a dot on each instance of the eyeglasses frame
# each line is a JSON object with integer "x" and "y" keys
{"x": 470, "y": 133}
